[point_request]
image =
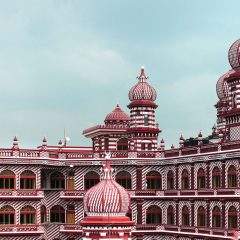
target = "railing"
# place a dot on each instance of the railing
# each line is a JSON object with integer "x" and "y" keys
{"x": 79, "y": 194}
{"x": 61, "y": 157}
{"x": 70, "y": 228}
{"x": 211, "y": 231}
{"x": 4, "y": 193}
{"x": 72, "y": 193}
{"x": 21, "y": 229}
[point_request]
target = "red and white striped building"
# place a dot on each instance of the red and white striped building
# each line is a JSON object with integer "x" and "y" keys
{"x": 185, "y": 193}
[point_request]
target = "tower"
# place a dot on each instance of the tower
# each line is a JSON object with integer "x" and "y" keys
{"x": 106, "y": 205}
{"x": 228, "y": 105}
{"x": 143, "y": 131}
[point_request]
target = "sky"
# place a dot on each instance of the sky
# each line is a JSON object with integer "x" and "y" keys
{"x": 66, "y": 64}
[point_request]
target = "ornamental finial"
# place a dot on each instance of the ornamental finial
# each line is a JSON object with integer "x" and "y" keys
{"x": 142, "y": 77}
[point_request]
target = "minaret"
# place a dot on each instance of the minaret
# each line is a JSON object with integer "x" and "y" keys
{"x": 106, "y": 205}
{"x": 143, "y": 131}
{"x": 228, "y": 105}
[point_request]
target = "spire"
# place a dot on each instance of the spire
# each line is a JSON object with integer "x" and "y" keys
{"x": 44, "y": 142}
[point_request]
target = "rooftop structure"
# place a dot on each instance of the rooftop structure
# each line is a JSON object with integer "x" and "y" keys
{"x": 190, "y": 191}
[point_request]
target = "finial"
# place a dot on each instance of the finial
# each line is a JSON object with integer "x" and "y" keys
{"x": 142, "y": 77}
{"x": 15, "y": 143}
{"x": 200, "y": 134}
{"x": 181, "y": 141}
{"x": 172, "y": 147}
{"x": 107, "y": 170}
{"x": 44, "y": 140}
{"x": 162, "y": 144}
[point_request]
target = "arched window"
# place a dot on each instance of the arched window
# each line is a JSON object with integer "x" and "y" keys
{"x": 43, "y": 214}
{"x": 7, "y": 179}
{"x": 143, "y": 146}
{"x": 27, "y": 180}
{"x": 28, "y": 215}
{"x": 185, "y": 216}
{"x": 216, "y": 217}
{"x": 170, "y": 180}
{"x": 91, "y": 179}
{"x": 43, "y": 180}
{"x": 124, "y": 179}
{"x": 70, "y": 181}
{"x": 154, "y": 215}
{"x": 232, "y": 217}
{"x": 57, "y": 214}
{"x": 70, "y": 214}
{"x": 216, "y": 178}
{"x": 170, "y": 215}
{"x": 122, "y": 144}
{"x": 154, "y": 180}
{"x": 185, "y": 179}
{"x": 201, "y": 183}
{"x": 7, "y": 215}
{"x": 201, "y": 216}
{"x": 232, "y": 177}
{"x": 57, "y": 180}
{"x": 149, "y": 146}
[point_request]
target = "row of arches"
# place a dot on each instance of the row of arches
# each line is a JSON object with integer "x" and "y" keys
{"x": 153, "y": 179}
{"x": 8, "y": 180}
{"x": 28, "y": 215}
{"x": 154, "y": 216}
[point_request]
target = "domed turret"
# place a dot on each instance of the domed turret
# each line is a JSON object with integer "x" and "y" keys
{"x": 105, "y": 204}
{"x": 234, "y": 54}
{"x": 117, "y": 115}
{"x": 107, "y": 198}
{"x": 142, "y": 90}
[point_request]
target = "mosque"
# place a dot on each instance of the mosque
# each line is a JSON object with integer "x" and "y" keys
{"x": 127, "y": 185}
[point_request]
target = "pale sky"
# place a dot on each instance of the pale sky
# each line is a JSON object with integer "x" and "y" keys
{"x": 66, "y": 63}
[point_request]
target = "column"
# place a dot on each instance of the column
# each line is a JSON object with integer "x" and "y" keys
{"x": 177, "y": 212}
{"x": 192, "y": 176}
{"x": 176, "y": 173}
{"x": 208, "y": 175}
{"x": 223, "y": 214}
{"x": 139, "y": 211}
{"x": 139, "y": 177}
{"x": 192, "y": 213}
{"x": 208, "y": 214}
{"x": 223, "y": 174}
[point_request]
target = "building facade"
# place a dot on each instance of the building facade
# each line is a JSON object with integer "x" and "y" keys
{"x": 187, "y": 192}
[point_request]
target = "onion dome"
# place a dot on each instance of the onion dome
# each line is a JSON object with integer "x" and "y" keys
{"x": 107, "y": 198}
{"x": 117, "y": 115}
{"x": 142, "y": 90}
{"x": 234, "y": 54}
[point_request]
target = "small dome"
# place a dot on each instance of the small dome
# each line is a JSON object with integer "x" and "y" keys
{"x": 234, "y": 54}
{"x": 107, "y": 198}
{"x": 142, "y": 90}
{"x": 117, "y": 115}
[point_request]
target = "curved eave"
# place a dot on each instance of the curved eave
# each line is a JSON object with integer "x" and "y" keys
{"x": 106, "y": 220}
{"x": 100, "y": 130}
{"x": 142, "y": 103}
{"x": 142, "y": 129}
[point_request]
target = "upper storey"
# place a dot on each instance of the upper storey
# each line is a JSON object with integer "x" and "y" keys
{"x": 142, "y": 93}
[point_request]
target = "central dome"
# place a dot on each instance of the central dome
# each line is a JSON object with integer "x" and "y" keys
{"x": 142, "y": 90}
{"x": 107, "y": 198}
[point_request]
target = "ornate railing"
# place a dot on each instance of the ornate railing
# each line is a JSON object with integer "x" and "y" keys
{"x": 21, "y": 193}
{"x": 21, "y": 229}
{"x": 211, "y": 231}
{"x": 72, "y": 193}
{"x": 70, "y": 228}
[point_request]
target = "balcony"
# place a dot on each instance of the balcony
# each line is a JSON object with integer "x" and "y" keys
{"x": 21, "y": 194}
{"x": 196, "y": 231}
{"x": 186, "y": 193}
{"x": 72, "y": 194}
{"x": 11, "y": 230}
{"x": 71, "y": 228}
